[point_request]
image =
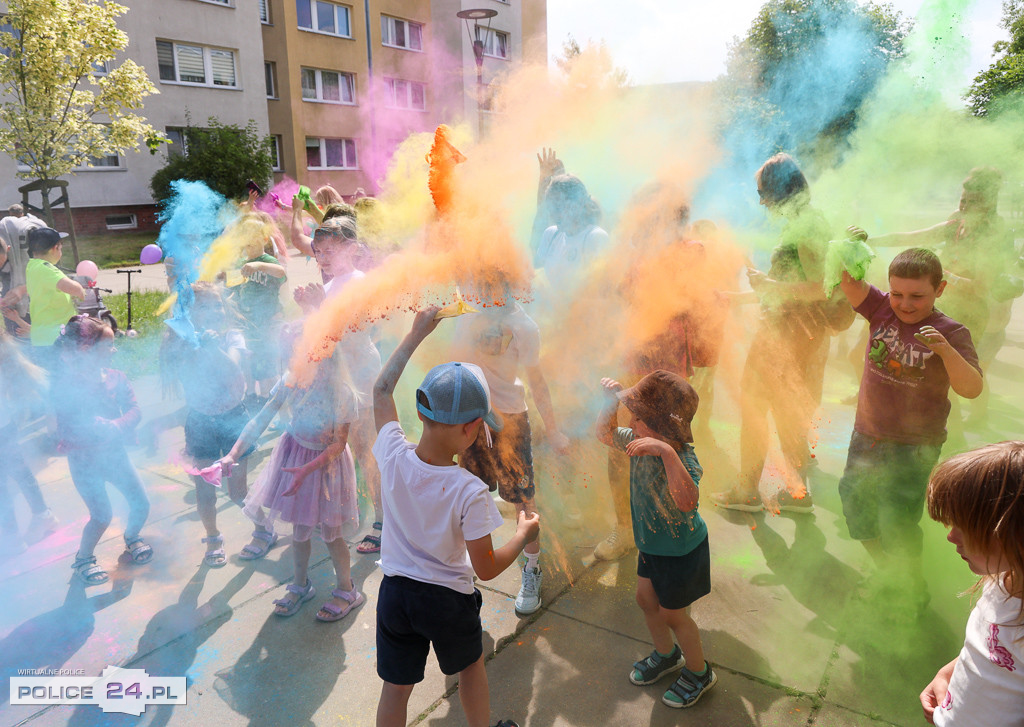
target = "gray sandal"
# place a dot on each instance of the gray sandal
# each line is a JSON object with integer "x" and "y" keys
{"x": 255, "y": 552}
{"x": 292, "y": 606}
{"x": 215, "y": 558}
{"x": 88, "y": 572}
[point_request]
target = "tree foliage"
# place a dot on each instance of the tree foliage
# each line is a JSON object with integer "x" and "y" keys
{"x": 223, "y": 156}
{"x": 806, "y": 66}
{"x": 58, "y": 113}
{"x": 1002, "y": 81}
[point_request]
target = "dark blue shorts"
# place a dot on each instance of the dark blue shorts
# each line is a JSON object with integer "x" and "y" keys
{"x": 678, "y": 580}
{"x": 883, "y": 490}
{"x": 412, "y": 616}
{"x": 211, "y": 437}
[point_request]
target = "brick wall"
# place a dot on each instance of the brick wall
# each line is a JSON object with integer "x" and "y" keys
{"x": 93, "y": 220}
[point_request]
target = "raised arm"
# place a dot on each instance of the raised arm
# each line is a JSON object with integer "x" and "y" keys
{"x": 916, "y": 238}
{"x": 854, "y": 290}
{"x": 71, "y": 287}
{"x": 274, "y": 270}
{"x": 303, "y": 243}
{"x": 964, "y": 379}
{"x": 680, "y": 484}
{"x": 384, "y": 410}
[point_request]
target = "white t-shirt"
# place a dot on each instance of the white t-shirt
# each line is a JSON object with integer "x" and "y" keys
{"x": 429, "y": 514}
{"x": 500, "y": 340}
{"x": 987, "y": 687}
{"x": 565, "y": 257}
{"x": 14, "y": 230}
{"x": 360, "y": 354}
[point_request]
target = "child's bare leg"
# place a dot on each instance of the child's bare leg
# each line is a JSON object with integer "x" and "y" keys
{"x": 206, "y": 502}
{"x": 301, "y": 550}
{"x": 647, "y": 600}
{"x": 338, "y": 549}
{"x": 529, "y": 506}
{"x": 393, "y": 706}
{"x": 474, "y": 694}
{"x": 688, "y": 635}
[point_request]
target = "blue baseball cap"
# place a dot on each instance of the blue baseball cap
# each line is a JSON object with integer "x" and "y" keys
{"x": 456, "y": 393}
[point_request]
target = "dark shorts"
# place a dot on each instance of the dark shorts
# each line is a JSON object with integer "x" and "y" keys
{"x": 211, "y": 437}
{"x": 508, "y": 465}
{"x": 883, "y": 490}
{"x": 678, "y": 580}
{"x": 412, "y": 616}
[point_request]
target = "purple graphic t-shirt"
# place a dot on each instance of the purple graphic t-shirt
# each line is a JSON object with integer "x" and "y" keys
{"x": 904, "y": 394}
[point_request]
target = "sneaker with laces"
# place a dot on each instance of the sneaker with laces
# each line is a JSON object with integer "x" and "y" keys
{"x": 689, "y": 687}
{"x": 790, "y": 503}
{"x": 616, "y": 545}
{"x": 40, "y": 526}
{"x": 737, "y": 500}
{"x": 655, "y": 666}
{"x": 528, "y": 600}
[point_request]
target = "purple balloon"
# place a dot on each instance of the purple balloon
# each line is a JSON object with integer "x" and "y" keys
{"x": 151, "y": 254}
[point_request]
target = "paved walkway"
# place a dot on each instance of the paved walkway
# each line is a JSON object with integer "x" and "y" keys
{"x": 790, "y": 644}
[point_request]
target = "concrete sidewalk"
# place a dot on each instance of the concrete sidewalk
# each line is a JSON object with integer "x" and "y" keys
{"x": 791, "y": 643}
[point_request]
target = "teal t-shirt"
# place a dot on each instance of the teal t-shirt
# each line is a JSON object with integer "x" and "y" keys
{"x": 659, "y": 527}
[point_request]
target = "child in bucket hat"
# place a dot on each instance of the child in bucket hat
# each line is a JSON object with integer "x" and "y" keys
{"x": 674, "y": 562}
{"x": 439, "y": 518}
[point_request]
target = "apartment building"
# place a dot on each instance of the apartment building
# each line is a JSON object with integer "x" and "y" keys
{"x": 206, "y": 59}
{"x": 337, "y": 83}
{"x": 348, "y": 81}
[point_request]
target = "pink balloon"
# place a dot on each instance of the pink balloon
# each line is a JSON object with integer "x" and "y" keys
{"x": 151, "y": 254}
{"x": 87, "y": 269}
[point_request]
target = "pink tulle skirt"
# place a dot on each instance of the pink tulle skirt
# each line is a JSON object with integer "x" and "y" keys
{"x": 327, "y": 497}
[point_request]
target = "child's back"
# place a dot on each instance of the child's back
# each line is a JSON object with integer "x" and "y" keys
{"x": 431, "y": 512}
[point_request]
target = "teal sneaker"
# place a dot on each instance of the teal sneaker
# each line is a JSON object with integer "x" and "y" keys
{"x": 689, "y": 688}
{"x": 655, "y": 666}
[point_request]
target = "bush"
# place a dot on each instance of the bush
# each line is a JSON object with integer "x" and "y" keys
{"x": 224, "y": 156}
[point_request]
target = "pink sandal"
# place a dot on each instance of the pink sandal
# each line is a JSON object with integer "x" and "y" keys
{"x": 354, "y": 598}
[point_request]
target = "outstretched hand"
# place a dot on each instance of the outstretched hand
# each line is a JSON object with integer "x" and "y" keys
{"x": 425, "y": 322}
{"x": 549, "y": 162}
{"x": 611, "y": 387}
{"x": 528, "y": 525}
{"x": 856, "y": 233}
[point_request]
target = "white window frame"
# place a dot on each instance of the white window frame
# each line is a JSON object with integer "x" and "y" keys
{"x": 208, "y": 52}
{"x": 490, "y": 39}
{"x": 270, "y": 74}
{"x": 388, "y": 22}
{"x": 393, "y": 89}
{"x": 222, "y": 3}
{"x": 349, "y": 165}
{"x": 277, "y": 166}
{"x": 133, "y": 225}
{"x": 343, "y": 77}
{"x": 314, "y": 14}
{"x": 264, "y": 11}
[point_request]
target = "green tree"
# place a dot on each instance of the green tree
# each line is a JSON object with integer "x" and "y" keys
{"x": 1002, "y": 81}
{"x": 223, "y": 156}
{"x": 805, "y": 66}
{"x": 59, "y": 112}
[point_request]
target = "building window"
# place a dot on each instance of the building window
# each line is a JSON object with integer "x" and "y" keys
{"x": 101, "y": 68}
{"x": 406, "y": 94}
{"x": 176, "y": 135}
{"x": 264, "y": 11}
{"x": 219, "y": 2}
{"x": 270, "y": 70}
{"x": 122, "y": 222}
{"x": 330, "y": 153}
{"x": 324, "y": 17}
{"x": 196, "y": 65}
{"x": 401, "y": 33}
{"x": 327, "y": 86}
{"x": 110, "y": 161}
{"x": 495, "y": 42}
{"x": 275, "y": 153}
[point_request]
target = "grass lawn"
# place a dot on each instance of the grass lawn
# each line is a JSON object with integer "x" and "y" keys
{"x": 113, "y": 250}
{"x": 138, "y": 356}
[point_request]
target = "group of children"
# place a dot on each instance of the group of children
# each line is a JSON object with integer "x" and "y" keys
{"x": 434, "y": 514}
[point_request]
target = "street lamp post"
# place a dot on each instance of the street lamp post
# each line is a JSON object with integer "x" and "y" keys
{"x": 476, "y": 15}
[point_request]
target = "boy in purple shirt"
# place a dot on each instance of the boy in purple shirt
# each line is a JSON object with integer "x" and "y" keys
{"x": 915, "y": 354}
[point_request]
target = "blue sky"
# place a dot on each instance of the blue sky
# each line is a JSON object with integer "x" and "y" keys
{"x": 663, "y": 41}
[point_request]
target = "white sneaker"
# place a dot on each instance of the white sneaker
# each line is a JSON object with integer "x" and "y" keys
{"x": 528, "y": 600}
{"x": 40, "y": 526}
{"x": 616, "y": 545}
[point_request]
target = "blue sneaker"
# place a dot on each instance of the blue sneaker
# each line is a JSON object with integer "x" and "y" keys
{"x": 689, "y": 687}
{"x": 655, "y": 666}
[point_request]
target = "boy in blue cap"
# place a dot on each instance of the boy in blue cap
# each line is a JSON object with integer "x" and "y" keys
{"x": 439, "y": 521}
